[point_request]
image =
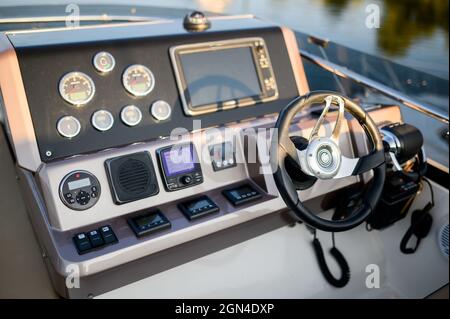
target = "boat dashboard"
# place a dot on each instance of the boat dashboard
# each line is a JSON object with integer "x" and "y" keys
{"x": 131, "y": 139}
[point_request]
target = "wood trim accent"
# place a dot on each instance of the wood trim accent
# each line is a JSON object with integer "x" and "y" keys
{"x": 18, "y": 116}
{"x": 296, "y": 61}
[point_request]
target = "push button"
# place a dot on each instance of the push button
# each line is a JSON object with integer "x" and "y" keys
{"x": 82, "y": 243}
{"x": 69, "y": 198}
{"x": 83, "y": 198}
{"x": 95, "y": 238}
{"x": 108, "y": 235}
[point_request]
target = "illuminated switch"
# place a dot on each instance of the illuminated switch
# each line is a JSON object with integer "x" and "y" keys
{"x": 82, "y": 243}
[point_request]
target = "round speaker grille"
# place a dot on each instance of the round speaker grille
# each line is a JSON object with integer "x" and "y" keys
{"x": 443, "y": 240}
{"x": 134, "y": 176}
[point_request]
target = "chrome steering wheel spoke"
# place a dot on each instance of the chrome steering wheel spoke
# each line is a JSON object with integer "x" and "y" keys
{"x": 357, "y": 166}
{"x": 329, "y": 100}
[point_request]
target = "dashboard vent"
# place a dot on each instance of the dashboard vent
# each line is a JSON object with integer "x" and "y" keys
{"x": 134, "y": 176}
{"x": 131, "y": 177}
{"x": 443, "y": 240}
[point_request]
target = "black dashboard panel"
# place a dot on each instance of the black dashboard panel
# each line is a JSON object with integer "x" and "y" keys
{"x": 44, "y": 57}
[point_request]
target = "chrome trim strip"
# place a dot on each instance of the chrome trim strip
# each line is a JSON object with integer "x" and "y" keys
{"x": 101, "y": 17}
{"x": 107, "y": 17}
{"x": 97, "y": 26}
{"x": 344, "y": 72}
{"x": 232, "y": 17}
{"x": 296, "y": 61}
{"x": 132, "y": 20}
{"x": 438, "y": 165}
{"x": 17, "y": 113}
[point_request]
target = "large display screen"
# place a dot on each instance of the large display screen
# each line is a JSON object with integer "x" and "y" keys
{"x": 221, "y": 75}
{"x": 178, "y": 160}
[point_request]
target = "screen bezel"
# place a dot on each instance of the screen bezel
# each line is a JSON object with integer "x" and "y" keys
{"x": 264, "y": 74}
{"x": 160, "y": 154}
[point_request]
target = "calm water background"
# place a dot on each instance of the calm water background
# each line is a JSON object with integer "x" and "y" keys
{"x": 413, "y": 33}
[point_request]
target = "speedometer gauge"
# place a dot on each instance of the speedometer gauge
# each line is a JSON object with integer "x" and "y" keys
{"x": 76, "y": 88}
{"x": 138, "y": 80}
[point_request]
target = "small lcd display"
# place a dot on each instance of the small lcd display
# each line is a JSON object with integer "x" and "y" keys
{"x": 198, "y": 204}
{"x": 217, "y": 76}
{"x": 147, "y": 220}
{"x": 178, "y": 160}
{"x": 243, "y": 190}
{"x": 79, "y": 183}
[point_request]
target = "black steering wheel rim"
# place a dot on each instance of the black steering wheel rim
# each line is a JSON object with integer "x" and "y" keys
{"x": 284, "y": 182}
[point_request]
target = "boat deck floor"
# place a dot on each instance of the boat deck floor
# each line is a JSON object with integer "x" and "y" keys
{"x": 22, "y": 270}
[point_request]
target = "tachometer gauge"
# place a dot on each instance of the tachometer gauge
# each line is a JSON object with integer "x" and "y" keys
{"x": 76, "y": 88}
{"x": 138, "y": 80}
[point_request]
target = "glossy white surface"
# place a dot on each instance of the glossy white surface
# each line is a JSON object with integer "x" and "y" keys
{"x": 282, "y": 264}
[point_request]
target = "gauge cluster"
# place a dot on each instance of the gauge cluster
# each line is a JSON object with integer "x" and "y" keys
{"x": 120, "y": 87}
{"x": 78, "y": 89}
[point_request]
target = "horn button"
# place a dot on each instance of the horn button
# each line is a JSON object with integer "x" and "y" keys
{"x": 323, "y": 158}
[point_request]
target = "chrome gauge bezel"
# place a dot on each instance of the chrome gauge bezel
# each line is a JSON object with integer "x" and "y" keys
{"x": 86, "y": 77}
{"x": 61, "y": 132}
{"x": 98, "y": 67}
{"x": 128, "y": 88}
{"x": 96, "y": 126}
{"x": 157, "y": 116}
{"x": 123, "y": 118}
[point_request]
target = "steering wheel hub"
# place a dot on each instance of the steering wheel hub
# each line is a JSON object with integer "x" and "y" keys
{"x": 323, "y": 158}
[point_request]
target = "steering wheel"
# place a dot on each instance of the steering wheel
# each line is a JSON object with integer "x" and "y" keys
{"x": 320, "y": 157}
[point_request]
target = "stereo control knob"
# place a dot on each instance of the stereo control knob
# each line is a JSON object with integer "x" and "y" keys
{"x": 186, "y": 180}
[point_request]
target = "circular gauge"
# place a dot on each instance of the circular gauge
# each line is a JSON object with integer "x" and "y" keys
{"x": 76, "y": 88}
{"x": 104, "y": 62}
{"x": 131, "y": 115}
{"x": 161, "y": 110}
{"x": 102, "y": 120}
{"x": 68, "y": 126}
{"x": 138, "y": 80}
